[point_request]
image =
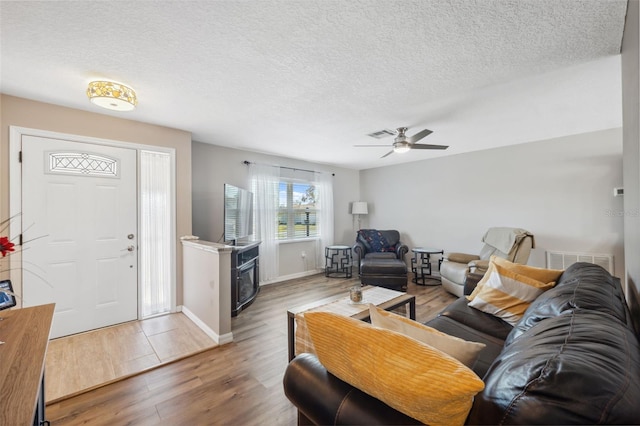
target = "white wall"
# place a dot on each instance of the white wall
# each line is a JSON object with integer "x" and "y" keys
{"x": 561, "y": 190}
{"x": 631, "y": 118}
{"x": 213, "y": 166}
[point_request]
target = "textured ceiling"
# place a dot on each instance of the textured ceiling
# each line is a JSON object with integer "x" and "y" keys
{"x": 309, "y": 79}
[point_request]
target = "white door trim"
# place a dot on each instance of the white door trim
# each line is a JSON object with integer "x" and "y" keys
{"x": 15, "y": 195}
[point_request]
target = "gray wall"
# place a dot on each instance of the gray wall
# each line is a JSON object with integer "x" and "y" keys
{"x": 631, "y": 135}
{"x": 561, "y": 190}
{"x": 213, "y": 166}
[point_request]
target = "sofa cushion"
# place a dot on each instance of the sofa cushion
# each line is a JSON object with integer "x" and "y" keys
{"x": 507, "y": 294}
{"x": 478, "y": 320}
{"x": 582, "y": 285}
{"x": 577, "y": 368}
{"x": 493, "y": 345}
{"x": 381, "y": 255}
{"x": 408, "y": 375}
{"x": 539, "y": 274}
{"x": 383, "y": 266}
{"x": 464, "y": 351}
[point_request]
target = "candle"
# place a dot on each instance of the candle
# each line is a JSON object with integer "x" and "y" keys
{"x": 355, "y": 294}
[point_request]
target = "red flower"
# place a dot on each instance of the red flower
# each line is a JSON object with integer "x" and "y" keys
{"x": 6, "y": 246}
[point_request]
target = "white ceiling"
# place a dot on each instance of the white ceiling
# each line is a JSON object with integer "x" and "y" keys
{"x": 309, "y": 79}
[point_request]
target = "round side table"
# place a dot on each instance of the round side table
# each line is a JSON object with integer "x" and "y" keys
{"x": 337, "y": 261}
{"x": 421, "y": 266}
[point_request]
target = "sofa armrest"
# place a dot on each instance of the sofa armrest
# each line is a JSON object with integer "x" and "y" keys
{"x": 461, "y": 257}
{"x": 478, "y": 266}
{"x": 359, "y": 251}
{"x": 401, "y": 250}
{"x": 470, "y": 283}
{"x": 324, "y": 399}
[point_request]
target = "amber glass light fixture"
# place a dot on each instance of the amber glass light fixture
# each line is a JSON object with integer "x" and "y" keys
{"x": 110, "y": 95}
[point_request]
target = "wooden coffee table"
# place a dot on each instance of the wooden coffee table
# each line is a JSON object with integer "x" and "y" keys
{"x": 383, "y": 298}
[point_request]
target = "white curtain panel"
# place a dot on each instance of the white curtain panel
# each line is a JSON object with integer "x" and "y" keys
{"x": 155, "y": 233}
{"x": 324, "y": 186}
{"x": 264, "y": 185}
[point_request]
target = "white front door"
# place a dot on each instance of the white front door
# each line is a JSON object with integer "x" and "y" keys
{"x": 79, "y": 232}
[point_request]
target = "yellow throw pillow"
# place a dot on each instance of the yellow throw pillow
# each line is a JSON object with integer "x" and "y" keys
{"x": 462, "y": 350}
{"x": 507, "y": 294}
{"x": 538, "y": 274}
{"x": 410, "y": 376}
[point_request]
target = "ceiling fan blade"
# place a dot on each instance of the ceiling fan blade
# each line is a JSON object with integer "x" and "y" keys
{"x": 426, "y": 146}
{"x": 369, "y": 146}
{"x": 415, "y": 138}
{"x": 387, "y": 154}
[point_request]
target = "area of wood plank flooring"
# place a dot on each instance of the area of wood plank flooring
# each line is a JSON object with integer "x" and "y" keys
{"x": 239, "y": 383}
{"x": 84, "y": 361}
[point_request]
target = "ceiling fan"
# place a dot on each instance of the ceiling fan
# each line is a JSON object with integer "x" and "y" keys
{"x": 403, "y": 143}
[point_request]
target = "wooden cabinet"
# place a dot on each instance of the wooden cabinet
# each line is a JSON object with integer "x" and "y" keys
{"x": 25, "y": 333}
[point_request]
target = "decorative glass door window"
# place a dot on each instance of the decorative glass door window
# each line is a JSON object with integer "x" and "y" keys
{"x": 82, "y": 163}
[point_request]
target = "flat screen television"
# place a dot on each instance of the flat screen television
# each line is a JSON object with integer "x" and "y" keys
{"x": 238, "y": 213}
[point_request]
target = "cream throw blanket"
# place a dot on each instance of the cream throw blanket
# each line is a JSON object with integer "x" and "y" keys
{"x": 504, "y": 239}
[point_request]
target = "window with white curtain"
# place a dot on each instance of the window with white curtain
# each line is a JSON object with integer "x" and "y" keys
{"x": 297, "y": 213}
{"x": 290, "y": 204}
{"x": 156, "y": 268}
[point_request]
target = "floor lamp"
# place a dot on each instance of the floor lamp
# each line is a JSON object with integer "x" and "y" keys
{"x": 358, "y": 209}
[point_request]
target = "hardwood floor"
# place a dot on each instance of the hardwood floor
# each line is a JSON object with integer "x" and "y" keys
{"x": 239, "y": 383}
{"x": 84, "y": 361}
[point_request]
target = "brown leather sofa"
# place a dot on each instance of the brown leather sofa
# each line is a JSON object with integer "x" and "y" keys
{"x": 574, "y": 358}
{"x": 380, "y": 258}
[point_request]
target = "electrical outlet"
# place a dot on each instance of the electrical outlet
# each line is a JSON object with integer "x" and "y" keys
{"x": 303, "y": 254}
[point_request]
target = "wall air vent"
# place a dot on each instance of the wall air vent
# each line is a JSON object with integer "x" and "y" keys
{"x": 382, "y": 133}
{"x": 562, "y": 260}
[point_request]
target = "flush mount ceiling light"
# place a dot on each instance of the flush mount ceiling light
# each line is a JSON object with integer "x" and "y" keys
{"x": 110, "y": 95}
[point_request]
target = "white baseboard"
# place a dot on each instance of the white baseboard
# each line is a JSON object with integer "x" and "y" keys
{"x": 292, "y": 276}
{"x": 219, "y": 339}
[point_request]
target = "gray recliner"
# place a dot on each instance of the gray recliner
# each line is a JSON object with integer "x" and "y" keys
{"x": 380, "y": 258}
{"x": 513, "y": 244}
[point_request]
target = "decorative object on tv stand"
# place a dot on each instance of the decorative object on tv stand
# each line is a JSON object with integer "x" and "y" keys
{"x": 113, "y": 96}
{"x": 359, "y": 208}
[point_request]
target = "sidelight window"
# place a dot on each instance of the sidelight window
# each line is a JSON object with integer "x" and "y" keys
{"x": 156, "y": 212}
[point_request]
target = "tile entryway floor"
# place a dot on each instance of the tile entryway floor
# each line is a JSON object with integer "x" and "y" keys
{"x": 88, "y": 360}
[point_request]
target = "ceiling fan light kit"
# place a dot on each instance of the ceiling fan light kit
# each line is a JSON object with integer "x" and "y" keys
{"x": 403, "y": 143}
{"x": 401, "y": 147}
{"x": 113, "y": 96}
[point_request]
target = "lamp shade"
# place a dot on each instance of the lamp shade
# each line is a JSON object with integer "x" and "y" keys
{"x": 359, "y": 207}
{"x": 114, "y": 96}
